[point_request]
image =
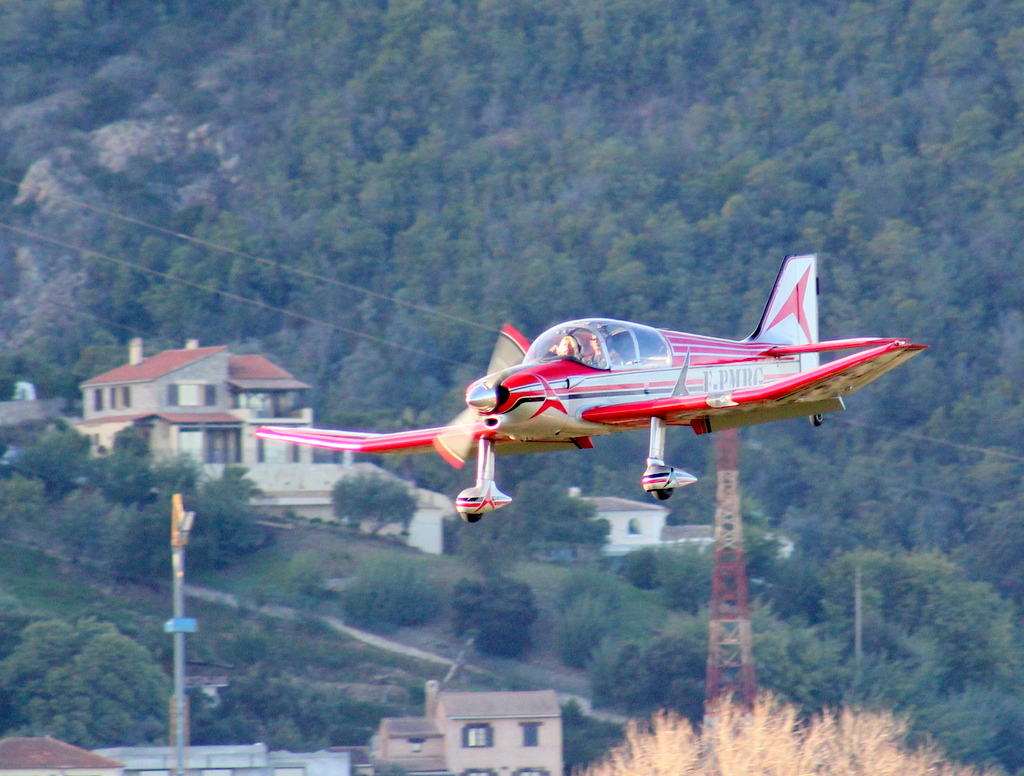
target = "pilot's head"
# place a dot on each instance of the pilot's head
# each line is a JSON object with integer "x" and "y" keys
{"x": 568, "y": 347}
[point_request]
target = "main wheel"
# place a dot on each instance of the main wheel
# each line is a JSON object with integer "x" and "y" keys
{"x": 662, "y": 495}
{"x": 817, "y": 420}
{"x": 471, "y": 517}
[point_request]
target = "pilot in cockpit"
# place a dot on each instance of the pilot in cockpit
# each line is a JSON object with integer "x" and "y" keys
{"x": 567, "y": 347}
{"x": 590, "y": 350}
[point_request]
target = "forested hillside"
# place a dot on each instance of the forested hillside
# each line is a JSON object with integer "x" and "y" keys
{"x": 367, "y": 190}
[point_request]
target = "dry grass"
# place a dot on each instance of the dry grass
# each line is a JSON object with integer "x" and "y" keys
{"x": 773, "y": 741}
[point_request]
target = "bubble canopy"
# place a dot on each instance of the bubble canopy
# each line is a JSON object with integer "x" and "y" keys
{"x": 602, "y": 344}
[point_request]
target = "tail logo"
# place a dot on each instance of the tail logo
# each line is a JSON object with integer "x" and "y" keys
{"x": 794, "y": 306}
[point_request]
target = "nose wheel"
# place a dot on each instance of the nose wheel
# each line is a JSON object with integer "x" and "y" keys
{"x": 473, "y": 503}
{"x": 658, "y": 479}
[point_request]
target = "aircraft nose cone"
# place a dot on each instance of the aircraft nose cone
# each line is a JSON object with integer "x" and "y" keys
{"x": 482, "y": 397}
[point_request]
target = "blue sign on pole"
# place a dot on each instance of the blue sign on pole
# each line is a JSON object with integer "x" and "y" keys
{"x": 181, "y": 625}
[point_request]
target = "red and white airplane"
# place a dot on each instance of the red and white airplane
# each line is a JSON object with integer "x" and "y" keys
{"x": 598, "y": 376}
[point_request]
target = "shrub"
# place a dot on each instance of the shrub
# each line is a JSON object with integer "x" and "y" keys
{"x": 501, "y": 612}
{"x": 391, "y": 593}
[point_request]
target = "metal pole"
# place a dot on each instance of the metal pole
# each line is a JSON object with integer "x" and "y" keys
{"x": 858, "y": 619}
{"x": 179, "y": 625}
{"x": 178, "y": 565}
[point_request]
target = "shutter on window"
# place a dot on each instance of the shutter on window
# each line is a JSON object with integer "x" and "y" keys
{"x": 211, "y": 395}
{"x": 172, "y": 395}
{"x": 465, "y": 736}
{"x": 490, "y": 735}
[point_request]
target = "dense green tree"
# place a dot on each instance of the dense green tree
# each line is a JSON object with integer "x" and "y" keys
{"x": 374, "y": 499}
{"x": 286, "y": 714}
{"x": 59, "y": 458}
{"x": 499, "y": 612}
{"x": 22, "y": 500}
{"x": 663, "y": 672}
{"x": 85, "y": 683}
{"x": 584, "y": 738}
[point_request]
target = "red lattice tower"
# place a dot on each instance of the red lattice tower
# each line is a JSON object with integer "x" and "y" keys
{"x": 730, "y": 671}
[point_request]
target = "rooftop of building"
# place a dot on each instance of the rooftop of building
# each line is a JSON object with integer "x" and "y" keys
{"x": 47, "y": 752}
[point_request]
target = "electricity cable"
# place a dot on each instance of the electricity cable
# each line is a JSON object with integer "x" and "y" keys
{"x": 225, "y": 294}
{"x": 268, "y": 262}
{"x": 935, "y": 440}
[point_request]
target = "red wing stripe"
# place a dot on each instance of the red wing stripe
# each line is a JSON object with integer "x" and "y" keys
{"x": 821, "y": 347}
{"x": 357, "y": 441}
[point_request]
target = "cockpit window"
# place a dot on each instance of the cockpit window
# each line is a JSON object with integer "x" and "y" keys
{"x": 579, "y": 343}
{"x": 602, "y": 344}
{"x": 621, "y": 346}
{"x": 653, "y": 347}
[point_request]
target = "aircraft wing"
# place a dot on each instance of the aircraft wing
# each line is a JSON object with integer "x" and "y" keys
{"x": 414, "y": 441}
{"x": 806, "y": 393}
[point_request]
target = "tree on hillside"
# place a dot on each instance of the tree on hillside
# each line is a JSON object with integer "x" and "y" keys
{"x": 59, "y": 457}
{"x": 391, "y": 593}
{"x": 374, "y": 500}
{"x": 85, "y": 683}
{"x": 499, "y": 612}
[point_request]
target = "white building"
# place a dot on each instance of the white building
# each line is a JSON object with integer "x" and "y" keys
{"x": 634, "y": 525}
{"x": 240, "y": 760}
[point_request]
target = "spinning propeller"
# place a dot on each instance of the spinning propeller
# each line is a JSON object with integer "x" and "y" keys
{"x": 457, "y": 441}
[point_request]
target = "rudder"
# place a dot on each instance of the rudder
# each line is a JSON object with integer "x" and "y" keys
{"x": 791, "y": 315}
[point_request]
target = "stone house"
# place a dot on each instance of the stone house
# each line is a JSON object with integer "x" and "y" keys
{"x": 205, "y": 402}
{"x": 476, "y": 734}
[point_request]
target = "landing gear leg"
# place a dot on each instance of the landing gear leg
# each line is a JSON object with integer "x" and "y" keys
{"x": 483, "y": 497}
{"x": 660, "y": 480}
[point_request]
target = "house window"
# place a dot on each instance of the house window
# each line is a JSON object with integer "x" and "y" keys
{"x": 634, "y": 527}
{"x": 121, "y": 397}
{"x": 416, "y": 744}
{"x": 191, "y": 395}
{"x": 274, "y": 451}
{"x": 530, "y": 737}
{"x": 190, "y": 442}
{"x": 289, "y": 771}
{"x": 97, "y": 400}
{"x": 477, "y": 734}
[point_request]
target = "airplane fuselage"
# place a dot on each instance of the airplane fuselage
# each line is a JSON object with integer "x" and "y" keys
{"x": 547, "y": 399}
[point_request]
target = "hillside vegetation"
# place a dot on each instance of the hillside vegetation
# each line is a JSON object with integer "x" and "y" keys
{"x": 365, "y": 191}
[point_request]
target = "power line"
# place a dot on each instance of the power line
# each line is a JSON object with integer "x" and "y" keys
{"x": 923, "y": 438}
{"x": 268, "y": 262}
{"x": 219, "y": 292}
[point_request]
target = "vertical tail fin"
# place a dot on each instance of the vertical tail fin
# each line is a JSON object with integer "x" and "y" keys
{"x": 791, "y": 316}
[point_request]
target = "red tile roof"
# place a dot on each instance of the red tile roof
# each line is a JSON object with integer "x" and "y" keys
{"x": 18, "y": 753}
{"x": 155, "y": 366}
{"x": 255, "y": 368}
